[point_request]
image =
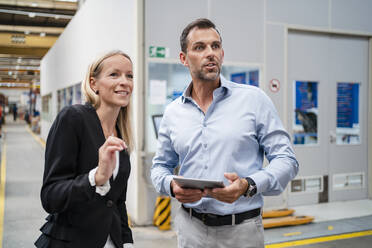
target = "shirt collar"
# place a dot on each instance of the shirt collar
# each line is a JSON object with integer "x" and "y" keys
{"x": 224, "y": 89}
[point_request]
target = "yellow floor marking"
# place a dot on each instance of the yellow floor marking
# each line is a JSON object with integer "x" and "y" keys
{"x": 36, "y": 137}
{"x": 320, "y": 239}
{"x": 2, "y": 192}
{"x": 291, "y": 234}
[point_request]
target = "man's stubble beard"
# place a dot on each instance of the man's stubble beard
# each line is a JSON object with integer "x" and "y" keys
{"x": 205, "y": 77}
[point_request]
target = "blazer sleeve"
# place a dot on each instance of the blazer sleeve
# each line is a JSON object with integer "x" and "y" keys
{"x": 126, "y": 232}
{"x": 62, "y": 186}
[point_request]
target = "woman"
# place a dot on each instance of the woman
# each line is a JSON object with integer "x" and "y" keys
{"x": 83, "y": 190}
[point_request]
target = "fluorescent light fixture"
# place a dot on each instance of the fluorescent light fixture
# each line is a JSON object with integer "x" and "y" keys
{"x": 27, "y": 32}
{"x": 42, "y": 34}
{"x": 33, "y": 14}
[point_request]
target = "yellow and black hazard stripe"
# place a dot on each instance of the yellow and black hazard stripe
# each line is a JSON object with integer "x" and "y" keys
{"x": 162, "y": 214}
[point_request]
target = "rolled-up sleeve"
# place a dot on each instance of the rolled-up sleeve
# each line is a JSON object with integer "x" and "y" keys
{"x": 276, "y": 143}
{"x": 165, "y": 160}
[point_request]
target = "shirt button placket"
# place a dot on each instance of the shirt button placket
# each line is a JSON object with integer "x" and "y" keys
{"x": 205, "y": 146}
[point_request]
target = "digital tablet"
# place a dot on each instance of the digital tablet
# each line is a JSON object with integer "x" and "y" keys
{"x": 194, "y": 183}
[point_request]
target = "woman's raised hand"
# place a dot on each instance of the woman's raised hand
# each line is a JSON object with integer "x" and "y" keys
{"x": 107, "y": 159}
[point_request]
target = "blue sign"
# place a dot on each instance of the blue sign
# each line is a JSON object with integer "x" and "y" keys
{"x": 241, "y": 78}
{"x": 306, "y": 97}
{"x": 347, "y": 104}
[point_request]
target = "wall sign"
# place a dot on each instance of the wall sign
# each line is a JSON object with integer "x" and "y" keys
{"x": 158, "y": 52}
{"x": 305, "y": 125}
{"x": 274, "y": 85}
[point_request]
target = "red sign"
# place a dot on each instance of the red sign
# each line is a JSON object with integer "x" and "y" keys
{"x": 274, "y": 85}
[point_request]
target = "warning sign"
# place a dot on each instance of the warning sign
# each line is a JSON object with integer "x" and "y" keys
{"x": 274, "y": 85}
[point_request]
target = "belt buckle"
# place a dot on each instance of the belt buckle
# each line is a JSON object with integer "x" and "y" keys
{"x": 203, "y": 218}
{"x": 208, "y": 219}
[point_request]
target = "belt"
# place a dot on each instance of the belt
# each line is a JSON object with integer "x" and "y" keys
{"x": 220, "y": 220}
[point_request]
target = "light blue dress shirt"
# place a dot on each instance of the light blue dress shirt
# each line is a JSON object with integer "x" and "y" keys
{"x": 240, "y": 126}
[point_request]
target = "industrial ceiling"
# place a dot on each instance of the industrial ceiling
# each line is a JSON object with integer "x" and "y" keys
{"x": 27, "y": 30}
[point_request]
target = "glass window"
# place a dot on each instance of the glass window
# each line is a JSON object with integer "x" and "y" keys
{"x": 305, "y": 127}
{"x": 167, "y": 81}
{"x": 241, "y": 75}
{"x": 347, "y": 131}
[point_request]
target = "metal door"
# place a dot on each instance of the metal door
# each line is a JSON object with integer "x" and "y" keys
{"x": 320, "y": 68}
{"x": 348, "y": 74}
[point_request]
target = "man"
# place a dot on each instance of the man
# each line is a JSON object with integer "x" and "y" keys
{"x": 220, "y": 130}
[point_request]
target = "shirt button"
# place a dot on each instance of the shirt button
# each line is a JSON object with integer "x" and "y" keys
{"x": 204, "y": 124}
{"x": 205, "y": 167}
{"x": 109, "y": 203}
{"x": 205, "y": 145}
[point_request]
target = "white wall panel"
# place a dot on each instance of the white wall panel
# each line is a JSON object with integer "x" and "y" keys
{"x": 352, "y": 15}
{"x": 165, "y": 20}
{"x": 275, "y": 57}
{"x": 97, "y": 27}
{"x": 312, "y": 13}
{"x": 241, "y": 24}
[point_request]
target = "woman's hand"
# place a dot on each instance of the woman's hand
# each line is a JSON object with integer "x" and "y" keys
{"x": 107, "y": 159}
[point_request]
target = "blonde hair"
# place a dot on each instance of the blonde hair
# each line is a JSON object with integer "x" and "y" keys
{"x": 124, "y": 119}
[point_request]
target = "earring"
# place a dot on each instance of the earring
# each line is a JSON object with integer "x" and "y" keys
{"x": 96, "y": 92}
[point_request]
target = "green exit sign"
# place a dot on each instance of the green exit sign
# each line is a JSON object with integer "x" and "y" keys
{"x": 158, "y": 52}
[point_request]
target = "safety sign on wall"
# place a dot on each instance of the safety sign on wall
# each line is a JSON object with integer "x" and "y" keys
{"x": 158, "y": 52}
{"x": 274, "y": 85}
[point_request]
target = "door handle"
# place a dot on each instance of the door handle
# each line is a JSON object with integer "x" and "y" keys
{"x": 332, "y": 137}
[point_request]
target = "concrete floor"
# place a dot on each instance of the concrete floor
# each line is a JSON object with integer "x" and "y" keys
{"x": 23, "y": 214}
{"x": 360, "y": 242}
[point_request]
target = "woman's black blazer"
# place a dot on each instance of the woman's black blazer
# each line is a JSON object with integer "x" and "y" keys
{"x": 78, "y": 216}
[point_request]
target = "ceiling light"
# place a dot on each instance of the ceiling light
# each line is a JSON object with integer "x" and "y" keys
{"x": 19, "y": 60}
{"x": 56, "y": 17}
{"x": 42, "y": 34}
{"x": 34, "y": 4}
{"x": 33, "y": 14}
{"x": 27, "y": 31}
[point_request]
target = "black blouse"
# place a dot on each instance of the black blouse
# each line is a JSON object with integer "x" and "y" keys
{"x": 79, "y": 217}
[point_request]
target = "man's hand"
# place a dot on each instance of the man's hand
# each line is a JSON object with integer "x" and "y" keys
{"x": 231, "y": 193}
{"x": 186, "y": 195}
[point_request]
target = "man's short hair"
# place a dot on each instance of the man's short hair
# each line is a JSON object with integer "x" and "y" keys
{"x": 201, "y": 23}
